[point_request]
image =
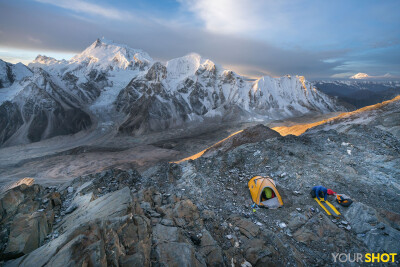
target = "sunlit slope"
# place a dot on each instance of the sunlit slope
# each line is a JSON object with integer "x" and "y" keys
{"x": 198, "y": 155}
{"x": 301, "y": 128}
{"x": 249, "y": 135}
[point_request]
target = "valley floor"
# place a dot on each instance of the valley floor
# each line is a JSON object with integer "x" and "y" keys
{"x": 62, "y": 158}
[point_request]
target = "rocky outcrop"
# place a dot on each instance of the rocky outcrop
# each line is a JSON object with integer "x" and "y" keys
{"x": 25, "y": 223}
{"x": 109, "y": 219}
{"x": 99, "y": 224}
{"x": 372, "y": 229}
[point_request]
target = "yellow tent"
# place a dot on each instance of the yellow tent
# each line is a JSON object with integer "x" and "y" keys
{"x": 257, "y": 184}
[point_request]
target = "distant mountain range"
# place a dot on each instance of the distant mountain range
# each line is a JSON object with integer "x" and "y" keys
{"x": 360, "y": 93}
{"x": 115, "y": 85}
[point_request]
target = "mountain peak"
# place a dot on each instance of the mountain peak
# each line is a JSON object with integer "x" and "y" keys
{"x": 359, "y": 76}
{"x": 104, "y": 53}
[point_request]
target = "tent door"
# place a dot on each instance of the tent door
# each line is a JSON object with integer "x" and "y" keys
{"x": 272, "y": 203}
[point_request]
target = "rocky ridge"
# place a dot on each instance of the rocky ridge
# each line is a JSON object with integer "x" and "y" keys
{"x": 385, "y": 116}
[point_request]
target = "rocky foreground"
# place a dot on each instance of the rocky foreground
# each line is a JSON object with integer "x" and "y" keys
{"x": 198, "y": 212}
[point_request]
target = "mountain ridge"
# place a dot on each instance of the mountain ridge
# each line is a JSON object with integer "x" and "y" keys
{"x": 125, "y": 88}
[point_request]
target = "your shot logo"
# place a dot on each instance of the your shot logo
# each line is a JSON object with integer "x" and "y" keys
{"x": 364, "y": 257}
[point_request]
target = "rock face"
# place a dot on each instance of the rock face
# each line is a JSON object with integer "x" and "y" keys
{"x": 24, "y": 225}
{"x": 40, "y": 110}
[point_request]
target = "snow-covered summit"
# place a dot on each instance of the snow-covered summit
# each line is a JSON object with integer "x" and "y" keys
{"x": 102, "y": 55}
{"x": 359, "y": 76}
{"x": 188, "y": 65}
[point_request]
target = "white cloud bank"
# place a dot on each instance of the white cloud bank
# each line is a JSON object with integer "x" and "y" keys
{"x": 88, "y": 8}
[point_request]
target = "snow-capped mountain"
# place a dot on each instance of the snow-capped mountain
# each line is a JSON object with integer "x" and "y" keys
{"x": 360, "y": 76}
{"x": 191, "y": 88}
{"x": 9, "y": 73}
{"x": 112, "y": 83}
{"x": 103, "y": 56}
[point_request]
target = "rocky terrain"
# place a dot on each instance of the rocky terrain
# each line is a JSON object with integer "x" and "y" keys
{"x": 111, "y": 87}
{"x": 198, "y": 212}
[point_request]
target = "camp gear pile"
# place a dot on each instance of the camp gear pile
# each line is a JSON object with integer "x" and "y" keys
{"x": 343, "y": 200}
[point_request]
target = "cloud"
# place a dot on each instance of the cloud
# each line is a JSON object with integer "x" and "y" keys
{"x": 225, "y": 16}
{"x": 88, "y": 8}
{"x": 34, "y": 40}
{"x": 65, "y": 33}
{"x": 343, "y": 75}
{"x": 163, "y": 40}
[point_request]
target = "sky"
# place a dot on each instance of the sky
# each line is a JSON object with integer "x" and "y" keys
{"x": 317, "y": 39}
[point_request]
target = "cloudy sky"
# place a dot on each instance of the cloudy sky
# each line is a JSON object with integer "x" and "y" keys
{"x": 318, "y": 39}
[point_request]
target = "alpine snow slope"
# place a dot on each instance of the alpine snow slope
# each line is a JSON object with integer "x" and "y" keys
{"x": 114, "y": 87}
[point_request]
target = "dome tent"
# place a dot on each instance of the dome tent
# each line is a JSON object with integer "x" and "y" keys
{"x": 257, "y": 184}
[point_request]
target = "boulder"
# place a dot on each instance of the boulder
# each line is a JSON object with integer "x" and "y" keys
{"x": 322, "y": 229}
{"x": 246, "y": 227}
{"x": 185, "y": 209}
{"x": 210, "y": 249}
{"x": 256, "y": 250}
{"x": 23, "y": 228}
{"x": 178, "y": 254}
{"x": 27, "y": 233}
{"x": 297, "y": 219}
{"x": 9, "y": 203}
